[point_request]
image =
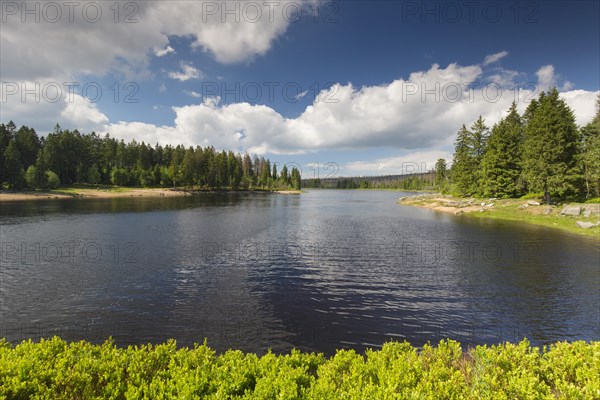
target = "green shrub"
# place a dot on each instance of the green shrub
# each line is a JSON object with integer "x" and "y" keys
{"x": 533, "y": 196}
{"x": 52, "y": 180}
{"x": 55, "y": 369}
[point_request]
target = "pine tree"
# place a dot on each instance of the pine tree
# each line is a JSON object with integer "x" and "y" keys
{"x": 463, "y": 163}
{"x": 550, "y": 147}
{"x": 479, "y": 137}
{"x": 441, "y": 171}
{"x": 501, "y": 164}
{"x": 590, "y": 154}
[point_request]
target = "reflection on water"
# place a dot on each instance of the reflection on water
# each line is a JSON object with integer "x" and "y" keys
{"x": 319, "y": 271}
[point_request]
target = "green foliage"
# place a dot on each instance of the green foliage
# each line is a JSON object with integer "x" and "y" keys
{"x": 55, "y": 369}
{"x": 550, "y": 147}
{"x": 441, "y": 174}
{"x": 501, "y": 163}
{"x": 12, "y": 171}
{"x": 464, "y": 166}
{"x": 30, "y": 175}
{"x": 89, "y": 158}
{"x": 590, "y": 154}
{"x": 52, "y": 180}
{"x": 120, "y": 177}
{"x": 93, "y": 175}
{"x": 533, "y": 196}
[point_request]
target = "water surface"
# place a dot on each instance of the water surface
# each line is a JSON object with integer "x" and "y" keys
{"x": 317, "y": 271}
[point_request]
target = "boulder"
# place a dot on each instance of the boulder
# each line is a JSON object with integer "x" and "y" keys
{"x": 585, "y": 225}
{"x": 571, "y": 210}
{"x": 533, "y": 203}
{"x": 523, "y": 206}
{"x": 587, "y": 213}
{"x": 490, "y": 205}
{"x": 547, "y": 210}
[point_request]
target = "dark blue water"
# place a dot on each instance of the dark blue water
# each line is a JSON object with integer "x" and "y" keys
{"x": 318, "y": 271}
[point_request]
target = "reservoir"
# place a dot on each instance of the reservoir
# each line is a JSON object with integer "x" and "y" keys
{"x": 318, "y": 271}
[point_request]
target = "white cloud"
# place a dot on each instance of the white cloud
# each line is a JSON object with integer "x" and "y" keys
{"x": 546, "y": 78}
{"x": 492, "y": 58}
{"x": 583, "y": 103}
{"x": 96, "y": 48}
{"x": 504, "y": 77}
{"x": 301, "y": 95}
{"x": 567, "y": 86}
{"x": 158, "y": 52}
{"x": 83, "y": 114}
{"x": 421, "y": 113}
{"x": 192, "y": 93}
{"x": 404, "y": 114}
{"x": 187, "y": 72}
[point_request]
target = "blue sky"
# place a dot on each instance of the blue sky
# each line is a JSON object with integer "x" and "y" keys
{"x": 252, "y": 85}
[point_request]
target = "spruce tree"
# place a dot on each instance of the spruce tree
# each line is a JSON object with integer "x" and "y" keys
{"x": 441, "y": 171}
{"x": 590, "y": 154}
{"x": 501, "y": 164}
{"x": 550, "y": 147}
{"x": 463, "y": 163}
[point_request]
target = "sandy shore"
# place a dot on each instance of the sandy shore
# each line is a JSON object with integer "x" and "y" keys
{"x": 90, "y": 193}
{"x": 288, "y": 191}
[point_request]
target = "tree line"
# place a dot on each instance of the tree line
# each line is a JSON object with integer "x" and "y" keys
{"x": 542, "y": 151}
{"x": 70, "y": 157}
{"x": 418, "y": 181}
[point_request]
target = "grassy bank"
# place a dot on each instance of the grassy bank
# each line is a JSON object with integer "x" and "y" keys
{"x": 525, "y": 211}
{"x": 54, "y": 369}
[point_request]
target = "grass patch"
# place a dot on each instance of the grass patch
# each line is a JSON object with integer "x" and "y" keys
{"x": 83, "y": 189}
{"x": 510, "y": 210}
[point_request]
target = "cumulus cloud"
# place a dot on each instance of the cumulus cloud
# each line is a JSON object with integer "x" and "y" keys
{"x": 188, "y": 71}
{"x": 546, "y": 78}
{"x": 83, "y": 114}
{"x": 420, "y": 113}
{"x": 124, "y": 41}
{"x": 492, "y": 58}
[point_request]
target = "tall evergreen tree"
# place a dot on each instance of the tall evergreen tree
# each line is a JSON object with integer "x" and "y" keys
{"x": 550, "y": 147}
{"x": 590, "y": 154}
{"x": 463, "y": 163}
{"x": 441, "y": 171}
{"x": 501, "y": 164}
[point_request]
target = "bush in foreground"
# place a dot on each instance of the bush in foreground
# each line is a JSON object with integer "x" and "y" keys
{"x": 55, "y": 369}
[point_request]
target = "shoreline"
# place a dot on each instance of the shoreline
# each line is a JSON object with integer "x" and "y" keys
{"x": 565, "y": 217}
{"x": 89, "y": 193}
{"x": 69, "y": 193}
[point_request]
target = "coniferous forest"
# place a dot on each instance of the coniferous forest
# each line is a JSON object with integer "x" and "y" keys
{"x": 70, "y": 157}
{"x": 542, "y": 152}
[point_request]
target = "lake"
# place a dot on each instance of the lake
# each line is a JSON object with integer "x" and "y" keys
{"x": 323, "y": 270}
